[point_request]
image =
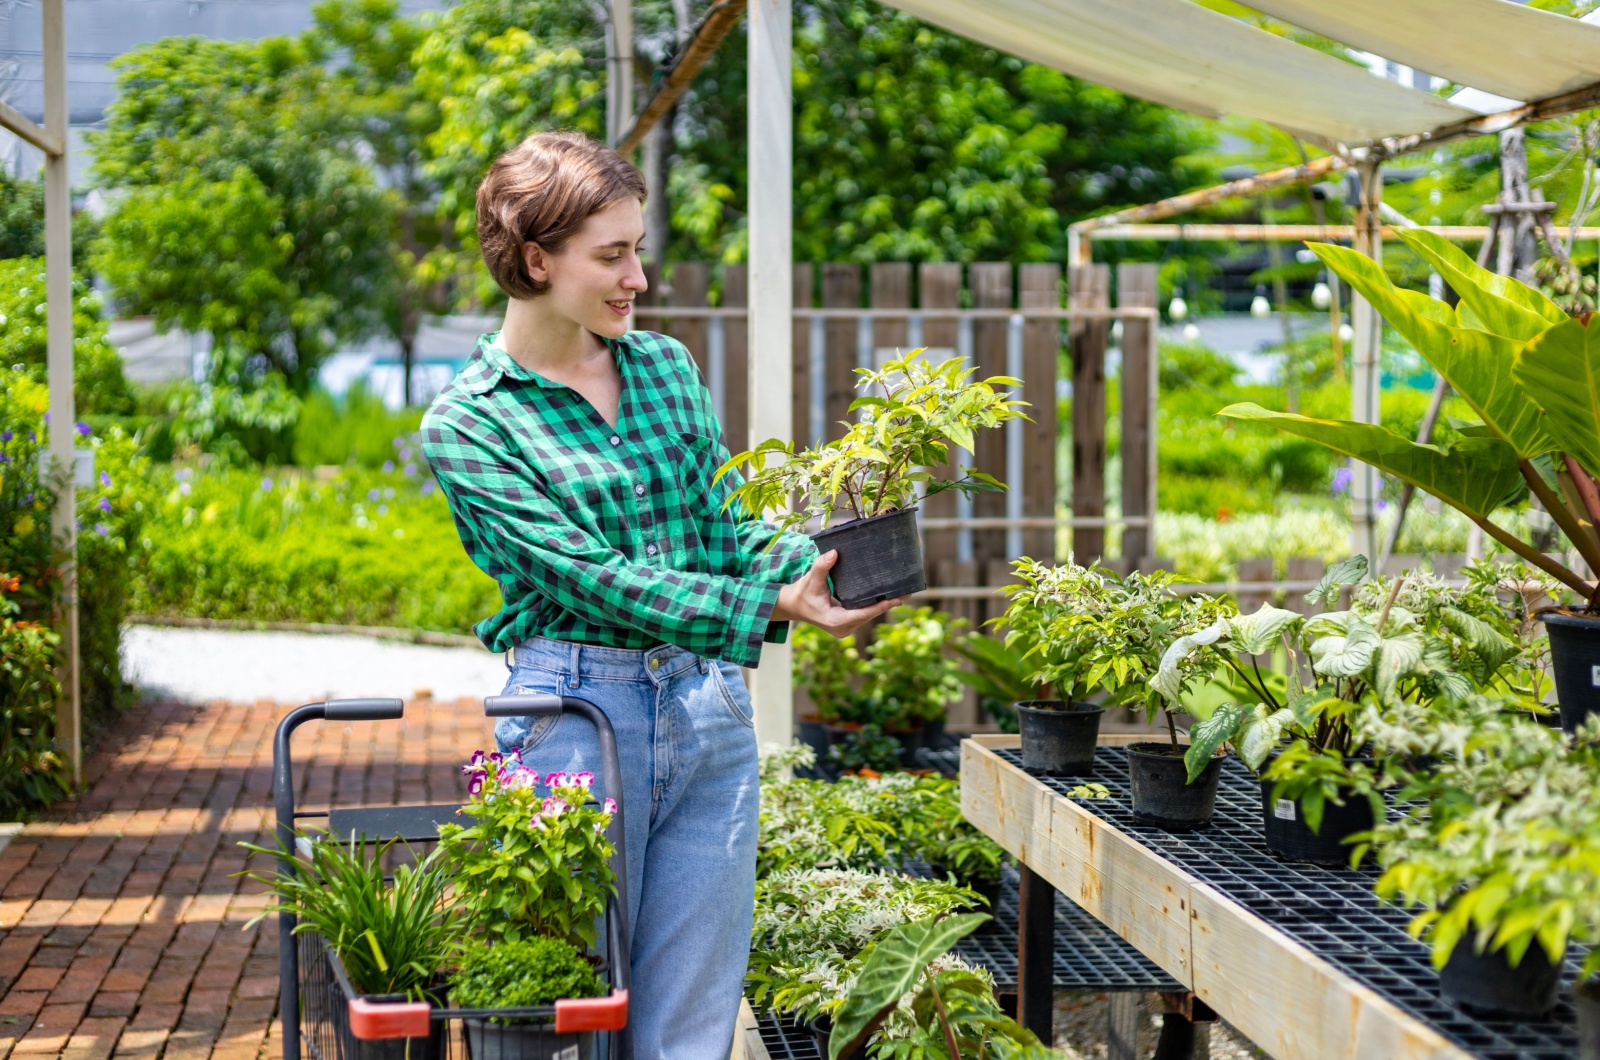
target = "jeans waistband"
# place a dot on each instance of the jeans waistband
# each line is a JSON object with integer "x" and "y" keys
{"x": 579, "y": 661}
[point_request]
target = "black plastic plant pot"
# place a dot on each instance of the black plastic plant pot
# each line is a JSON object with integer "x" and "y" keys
{"x": 933, "y": 733}
{"x": 1058, "y": 738}
{"x": 1158, "y": 781}
{"x": 821, "y": 1028}
{"x": 910, "y": 743}
{"x": 1586, "y": 999}
{"x": 879, "y": 558}
{"x": 1288, "y": 835}
{"x": 1575, "y": 661}
{"x": 814, "y": 734}
{"x": 1485, "y": 983}
{"x": 491, "y": 1040}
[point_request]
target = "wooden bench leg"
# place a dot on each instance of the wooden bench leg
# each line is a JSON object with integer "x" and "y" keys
{"x": 1036, "y": 938}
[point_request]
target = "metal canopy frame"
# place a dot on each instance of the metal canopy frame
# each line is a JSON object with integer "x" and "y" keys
{"x": 52, "y": 140}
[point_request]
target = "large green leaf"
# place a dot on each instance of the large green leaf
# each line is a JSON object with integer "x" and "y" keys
{"x": 1169, "y": 677}
{"x": 1347, "y": 655}
{"x": 1259, "y": 732}
{"x": 1476, "y": 475}
{"x": 1206, "y": 736}
{"x": 1477, "y": 364}
{"x": 889, "y": 973}
{"x": 1254, "y": 634}
{"x": 1502, "y": 304}
{"x": 1397, "y": 657}
{"x": 1560, "y": 370}
{"x": 1347, "y": 571}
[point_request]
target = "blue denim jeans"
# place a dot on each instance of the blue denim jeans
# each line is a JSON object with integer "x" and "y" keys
{"x": 690, "y": 800}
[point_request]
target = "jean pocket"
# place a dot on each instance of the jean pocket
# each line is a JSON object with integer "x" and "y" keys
{"x": 734, "y": 693}
{"x": 525, "y": 732}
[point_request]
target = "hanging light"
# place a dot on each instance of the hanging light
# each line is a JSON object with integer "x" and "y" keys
{"x": 1259, "y": 306}
{"x": 1177, "y": 309}
{"x": 1116, "y": 332}
{"x": 1321, "y": 297}
{"x": 1191, "y": 332}
{"x": 1347, "y": 334}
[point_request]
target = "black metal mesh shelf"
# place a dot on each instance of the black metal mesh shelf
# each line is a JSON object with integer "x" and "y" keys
{"x": 1331, "y": 912}
{"x": 785, "y": 1040}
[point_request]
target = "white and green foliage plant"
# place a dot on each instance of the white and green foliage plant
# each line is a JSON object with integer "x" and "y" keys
{"x": 1086, "y": 630}
{"x": 1408, "y": 638}
{"x": 392, "y": 936}
{"x": 911, "y": 413}
{"x": 1502, "y": 846}
{"x": 814, "y": 926}
{"x": 530, "y": 864}
{"x": 953, "y": 1013}
{"x": 1529, "y": 371}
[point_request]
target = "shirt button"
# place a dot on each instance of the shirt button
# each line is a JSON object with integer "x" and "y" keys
{"x": 638, "y": 489}
{"x": 649, "y": 550}
{"x": 615, "y": 440}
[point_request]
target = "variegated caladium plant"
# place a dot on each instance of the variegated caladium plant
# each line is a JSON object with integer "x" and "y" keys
{"x": 1413, "y": 638}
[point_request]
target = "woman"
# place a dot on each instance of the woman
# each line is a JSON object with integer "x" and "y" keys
{"x": 578, "y": 459}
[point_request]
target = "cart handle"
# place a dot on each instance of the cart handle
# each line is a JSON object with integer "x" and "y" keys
{"x": 363, "y": 709}
{"x": 592, "y": 1013}
{"x": 371, "y": 1020}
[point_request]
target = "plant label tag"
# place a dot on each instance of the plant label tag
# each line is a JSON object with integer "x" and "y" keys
{"x": 569, "y": 1053}
{"x": 1594, "y": 676}
{"x": 1284, "y": 809}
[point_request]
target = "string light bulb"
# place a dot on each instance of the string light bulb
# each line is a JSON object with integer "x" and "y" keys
{"x": 1321, "y": 297}
{"x": 1177, "y": 309}
{"x": 1259, "y": 306}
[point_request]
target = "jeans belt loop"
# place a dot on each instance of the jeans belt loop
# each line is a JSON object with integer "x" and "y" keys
{"x": 510, "y": 657}
{"x": 575, "y": 666}
{"x": 705, "y": 664}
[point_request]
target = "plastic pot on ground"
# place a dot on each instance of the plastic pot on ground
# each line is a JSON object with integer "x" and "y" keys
{"x": 1158, "y": 780}
{"x": 813, "y": 733}
{"x": 1586, "y": 999}
{"x": 821, "y": 1027}
{"x": 1058, "y": 738}
{"x": 1289, "y": 836}
{"x": 880, "y": 558}
{"x": 1575, "y": 663}
{"x": 1486, "y": 983}
{"x": 491, "y": 1040}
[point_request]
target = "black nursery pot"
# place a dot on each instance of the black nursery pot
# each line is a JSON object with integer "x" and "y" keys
{"x": 1058, "y": 739}
{"x": 1486, "y": 983}
{"x": 1162, "y": 794}
{"x": 821, "y": 1027}
{"x": 1575, "y": 660}
{"x": 814, "y": 734}
{"x": 487, "y": 1040}
{"x": 879, "y": 558}
{"x": 1586, "y": 999}
{"x": 1288, "y": 835}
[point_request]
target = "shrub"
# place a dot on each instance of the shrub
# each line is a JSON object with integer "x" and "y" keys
{"x": 354, "y": 429}
{"x": 98, "y": 382}
{"x": 34, "y": 775}
{"x": 523, "y": 974}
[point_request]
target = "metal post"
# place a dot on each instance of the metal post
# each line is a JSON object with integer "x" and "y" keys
{"x": 1364, "y": 377}
{"x": 1036, "y": 939}
{"x": 771, "y": 345}
{"x": 58, "y": 320}
{"x": 619, "y": 85}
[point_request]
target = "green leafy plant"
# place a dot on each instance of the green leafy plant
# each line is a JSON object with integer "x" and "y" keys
{"x": 829, "y": 669}
{"x": 953, "y": 1013}
{"x": 522, "y": 973}
{"x": 909, "y": 673}
{"x": 999, "y": 674}
{"x": 35, "y": 774}
{"x": 868, "y": 747}
{"x": 392, "y": 937}
{"x": 911, "y": 413}
{"x": 530, "y": 864}
{"x": 1527, "y": 370}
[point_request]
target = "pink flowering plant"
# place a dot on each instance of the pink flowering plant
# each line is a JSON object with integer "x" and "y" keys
{"x": 536, "y": 860}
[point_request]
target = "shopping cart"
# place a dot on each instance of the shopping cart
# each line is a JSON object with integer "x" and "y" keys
{"x": 320, "y": 1009}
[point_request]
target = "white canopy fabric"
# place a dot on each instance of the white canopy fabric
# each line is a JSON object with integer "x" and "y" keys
{"x": 1517, "y": 52}
{"x": 1178, "y": 53}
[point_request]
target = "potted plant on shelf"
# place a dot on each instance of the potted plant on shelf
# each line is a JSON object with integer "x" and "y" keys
{"x": 911, "y": 413}
{"x": 1086, "y": 632}
{"x": 392, "y": 939}
{"x": 533, "y": 875}
{"x": 1501, "y": 851}
{"x": 1527, "y": 370}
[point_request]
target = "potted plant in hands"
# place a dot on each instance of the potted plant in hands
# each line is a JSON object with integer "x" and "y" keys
{"x": 1087, "y": 631}
{"x": 911, "y": 413}
{"x": 529, "y": 867}
{"x": 1528, "y": 371}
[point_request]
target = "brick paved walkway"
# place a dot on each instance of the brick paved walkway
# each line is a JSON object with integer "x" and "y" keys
{"x": 120, "y": 920}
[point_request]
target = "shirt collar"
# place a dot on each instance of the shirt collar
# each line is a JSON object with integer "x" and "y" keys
{"x": 490, "y": 362}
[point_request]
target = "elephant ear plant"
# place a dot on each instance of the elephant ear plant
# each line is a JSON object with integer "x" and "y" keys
{"x": 1531, "y": 374}
{"x": 911, "y": 413}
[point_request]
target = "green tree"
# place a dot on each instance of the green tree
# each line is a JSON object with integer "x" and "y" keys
{"x": 98, "y": 384}
{"x": 246, "y": 212}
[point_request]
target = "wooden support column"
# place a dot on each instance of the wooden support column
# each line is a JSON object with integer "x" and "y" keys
{"x": 1136, "y": 288}
{"x": 891, "y": 289}
{"x": 1041, "y": 354}
{"x": 735, "y": 352}
{"x": 991, "y": 289}
{"x": 690, "y": 282}
{"x": 770, "y": 117}
{"x": 1364, "y": 374}
{"x": 841, "y": 289}
{"x": 1036, "y": 940}
{"x": 1089, "y": 288}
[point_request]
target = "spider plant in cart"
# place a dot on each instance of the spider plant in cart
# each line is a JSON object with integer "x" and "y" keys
{"x": 1531, "y": 373}
{"x": 911, "y": 413}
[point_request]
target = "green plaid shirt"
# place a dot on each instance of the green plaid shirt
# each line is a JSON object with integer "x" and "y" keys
{"x": 607, "y": 536}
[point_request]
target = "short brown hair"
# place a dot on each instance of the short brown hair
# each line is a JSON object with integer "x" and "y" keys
{"x": 541, "y": 192}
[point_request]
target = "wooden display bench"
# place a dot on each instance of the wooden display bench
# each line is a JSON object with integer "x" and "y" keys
{"x": 1278, "y": 993}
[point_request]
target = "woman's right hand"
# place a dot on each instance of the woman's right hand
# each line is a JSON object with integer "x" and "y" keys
{"x": 808, "y": 600}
